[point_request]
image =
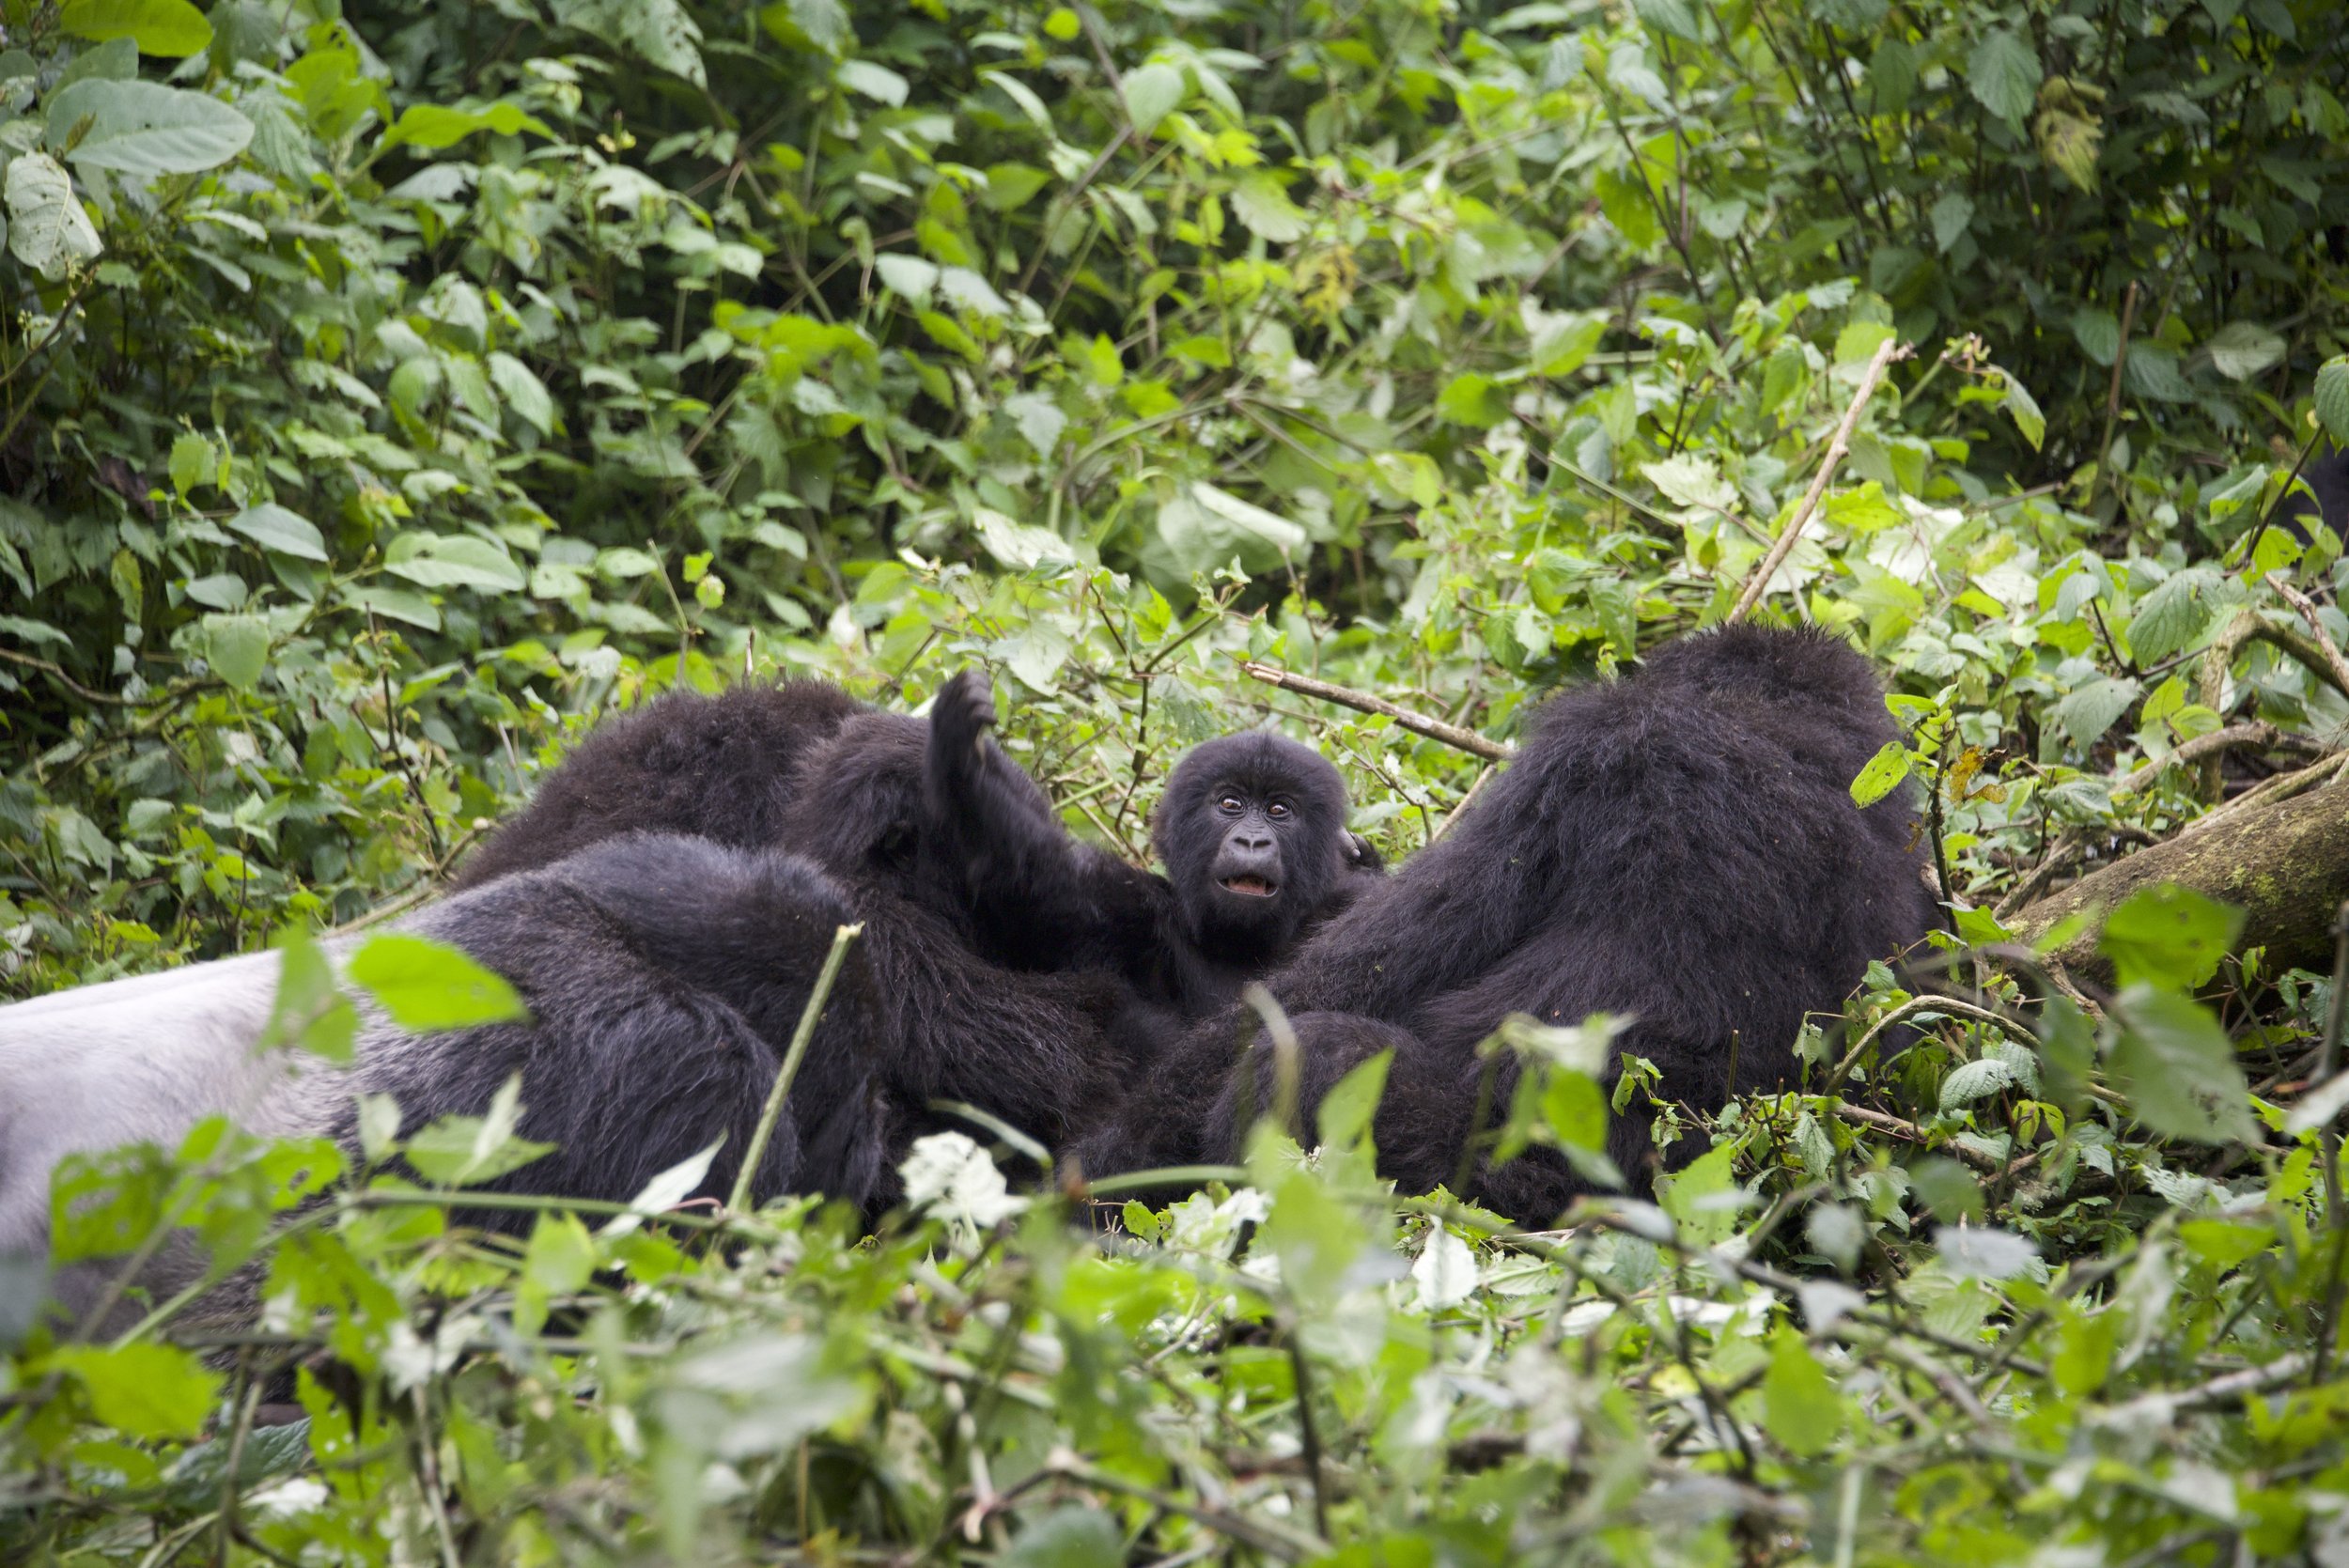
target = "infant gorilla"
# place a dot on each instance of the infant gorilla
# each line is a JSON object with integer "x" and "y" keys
{"x": 1679, "y": 845}
{"x": 1251, "y": 829}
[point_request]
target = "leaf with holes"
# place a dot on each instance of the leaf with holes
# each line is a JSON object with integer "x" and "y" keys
{"x": 48, "y": 231}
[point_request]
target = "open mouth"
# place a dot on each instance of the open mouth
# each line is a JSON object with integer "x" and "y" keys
{"x": 1252, "y": 887}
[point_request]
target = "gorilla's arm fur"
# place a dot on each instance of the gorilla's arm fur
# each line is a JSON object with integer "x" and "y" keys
{"x": 1250, "y": 810}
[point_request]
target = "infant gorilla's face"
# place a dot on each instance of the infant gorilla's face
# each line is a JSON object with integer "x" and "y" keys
{"x": 1254, "y": 833}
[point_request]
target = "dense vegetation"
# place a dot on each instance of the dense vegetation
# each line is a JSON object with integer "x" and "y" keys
{"x": 387, "y": 391}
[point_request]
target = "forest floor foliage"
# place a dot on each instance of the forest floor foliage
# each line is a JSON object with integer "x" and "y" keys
{"x": 387, "y": 392}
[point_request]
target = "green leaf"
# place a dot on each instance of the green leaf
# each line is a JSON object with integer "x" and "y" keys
{"x": 143, "y": 1389}
{"x": 1346, "y": 1110}
{"x": 1071, "y": 1537}
{"x": 169, "y": 29}
{"x": 454, "y": 561}
{"x": 1952, "y": 217}
{"x": 2169, "y": 935}
{"x": 309, "y": 1010}
{"x": 465, "y": 1151}
{"x": 2172, "y": 616}
{"x": 1473, "y": 400}
{"x": 1012, "y": 186}
{"x": 432, "y": 127}
{"x": 48, "y": 231}
{"x": 2023, "y": 409}
{"x": 1885, "y": 769}
{"x": 560, "y": 1261}
{"x": 1260, "y": 202}
{"x": 144, "y": 128}
{"x": 1153, "y": 93}
{"x": 272, "y": 527}
{"x": 2332, "y": 398}
{"x": 1800, "y": 1406}
{"x": 2085, "y": 713}
{"x": 2178, "y": 1069}
{"x": 1702, "y": 1198}
{"x": 237, "y": 647}
{"x": 193, "y": 462}
{"x": 427, "y": 986}
{"x": 876, "y": 82}
{"x": 2241, "y": 350}
{"x": 2003, "y": 74}
{"x": 523, "y": 391}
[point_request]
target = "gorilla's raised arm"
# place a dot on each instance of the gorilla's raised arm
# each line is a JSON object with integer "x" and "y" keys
{"x": 1253, "y": 831}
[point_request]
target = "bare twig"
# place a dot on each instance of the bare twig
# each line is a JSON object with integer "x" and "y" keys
{"x": 1363, "y": 702}
{"x": 2307, "y": 606}
{"x": 2252, "y": 735}
{"x": 2112, "y": 395}
{"x": 1886, "y": 351}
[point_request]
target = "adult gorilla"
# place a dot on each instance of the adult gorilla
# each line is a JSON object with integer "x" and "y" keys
{"x": 1679, "y": 845}
{"x": 1251, "y": 829}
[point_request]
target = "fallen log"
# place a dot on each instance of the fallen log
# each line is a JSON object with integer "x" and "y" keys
{"x": 2283, "y": 860}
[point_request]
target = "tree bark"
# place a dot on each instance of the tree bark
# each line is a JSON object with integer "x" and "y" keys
{"x": 2283, "y": 863}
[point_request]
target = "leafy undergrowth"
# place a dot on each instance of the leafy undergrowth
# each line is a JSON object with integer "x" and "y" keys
{"x": 2050, "y": 1339}
{"x": 386, "y": 396}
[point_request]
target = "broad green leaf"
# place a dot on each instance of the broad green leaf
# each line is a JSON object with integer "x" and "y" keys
{"x": 874, "y": 81}
{"x": 1952, "y": 216}
{"x": 2242, "y": 350}
{"x": 1260, "y": 202}
{"x": 116, "y": 60}
{"x": 1983, "y": 1253}
{"x": 2002, "y": 73}
{"x": 193, "y": 462}
{"x": 2168, "y": 619}
{"x": 454, "y": 561}
{"x": 272, "y": 527}
{"x": 1885, "y": 771}
{"x": 144, "y": 128}
{"x": 427, "y": 986}
{"x": 2178, "y": 1069}
{"x": 1801, "y": 1408}
{"x": 2169, "y": 935}
{"x": 1018, "y": 546}
{"x": 523, "y": 391}
{"x": 560, "y": 1260}
{"x": 169, "y": 29}
{"x": 48, "y": 231}
{"x": 1473, "y": 400}
{"x": 2085, "y": 713}
{"x": 1702, "y": 1198}
{"x": 2332, "y": 398}
{"x": 143, "y": 1390}
{"x": 237, "y": 647}
{"x": 432, "y": 127}
{"x": 1152, "y": 93}
{"x": 1075, "y": 1536}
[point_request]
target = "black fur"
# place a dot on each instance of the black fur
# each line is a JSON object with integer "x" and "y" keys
{"x": 665, "y": 975}
{"x": 1252, "y": 830}
{"x": 719, "y": 768}
{"x": 1680, "y": 846}
{"x": 2328, "y": 476}
{"x": 807, "y": 768}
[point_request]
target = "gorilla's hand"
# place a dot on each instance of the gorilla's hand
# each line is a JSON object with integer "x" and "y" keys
{"x": 961, "y": 715}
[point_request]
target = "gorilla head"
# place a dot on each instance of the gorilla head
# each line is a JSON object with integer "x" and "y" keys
{"x": 1253, "y": 831}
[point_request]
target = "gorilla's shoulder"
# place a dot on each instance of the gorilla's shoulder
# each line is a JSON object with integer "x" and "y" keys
{"x": 1805, "y": 664}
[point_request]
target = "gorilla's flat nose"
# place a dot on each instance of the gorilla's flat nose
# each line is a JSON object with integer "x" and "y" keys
{"x": 1258, "y": 840}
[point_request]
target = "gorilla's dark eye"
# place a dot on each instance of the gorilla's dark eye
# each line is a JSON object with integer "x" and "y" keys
{"x": 1278, "y": 811}
{"x": 1229, "y": 805}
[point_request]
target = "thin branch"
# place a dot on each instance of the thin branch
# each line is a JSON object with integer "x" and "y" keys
{"x": 2307, "y": 606}
{"x": 1363, "y": 702}
{"x": 1886, "y": 351}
